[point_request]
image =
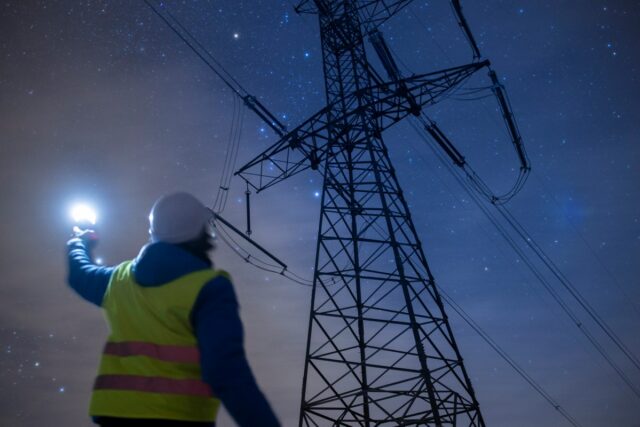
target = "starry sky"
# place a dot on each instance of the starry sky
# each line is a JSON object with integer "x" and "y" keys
{"x": 100, "y": 102}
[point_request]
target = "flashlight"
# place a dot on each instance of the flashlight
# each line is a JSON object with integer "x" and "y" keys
{"x": 83, "y": 214}
{"x": 84, "y": 219}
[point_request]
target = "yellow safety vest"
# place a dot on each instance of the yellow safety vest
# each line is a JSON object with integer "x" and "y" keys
{"x": 150, "y": 366}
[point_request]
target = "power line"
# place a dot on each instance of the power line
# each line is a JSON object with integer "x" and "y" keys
{"x": 481, "y": 187}
{"x": 512, "y": 243}
{"x": 505, "y": 356}
{"x": 566, "y": 283}
{"x": 258, "y": 262}
{"x": 198, "y": 49}
{"x": 498, "y": 201}
{"x": 627, "y": 298}
{"x": 214, "y": 65}
{"x": 231, "y": 156}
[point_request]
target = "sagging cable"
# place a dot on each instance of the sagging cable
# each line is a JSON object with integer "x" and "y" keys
{"x": 216, "y": 217}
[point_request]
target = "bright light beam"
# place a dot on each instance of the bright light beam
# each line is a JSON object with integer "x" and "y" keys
{"x": 82, "y": 213}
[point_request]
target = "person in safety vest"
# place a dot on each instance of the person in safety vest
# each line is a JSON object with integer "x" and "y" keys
{"x": 175, "y": 348}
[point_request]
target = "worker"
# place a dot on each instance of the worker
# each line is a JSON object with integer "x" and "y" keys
{"x": 175, "y": 349}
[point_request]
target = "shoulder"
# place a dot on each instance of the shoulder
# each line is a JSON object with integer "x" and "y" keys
{"x": 222, "y": 273}
{"x": 219, "y": 286}
{"x": 216, "y": 298}
{"x": 122, "y": 271}
{"x": 217, "y": 291}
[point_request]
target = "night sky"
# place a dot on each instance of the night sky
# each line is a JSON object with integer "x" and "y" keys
{"x": 100, "y": 102}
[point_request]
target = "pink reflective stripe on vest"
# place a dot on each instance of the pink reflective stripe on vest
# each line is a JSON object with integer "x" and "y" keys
{"x": 153, "y": 385}
{"x": 166, "y": 353}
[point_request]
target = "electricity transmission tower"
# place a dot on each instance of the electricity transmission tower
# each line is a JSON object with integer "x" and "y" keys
{"x": 380, "y": 350}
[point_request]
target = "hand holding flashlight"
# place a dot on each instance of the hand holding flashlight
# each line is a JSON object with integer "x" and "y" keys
{"x": 84, "y": 218}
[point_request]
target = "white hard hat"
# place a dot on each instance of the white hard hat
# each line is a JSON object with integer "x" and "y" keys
{"x": 177, "y": 218}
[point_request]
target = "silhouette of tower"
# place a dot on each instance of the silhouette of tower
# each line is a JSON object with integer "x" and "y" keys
{"x": 380, "y": 349}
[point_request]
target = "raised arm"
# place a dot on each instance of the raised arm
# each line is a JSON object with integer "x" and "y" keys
{"x": 88, "y": 279}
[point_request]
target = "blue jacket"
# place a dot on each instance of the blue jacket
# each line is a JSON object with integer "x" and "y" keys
{"x": 215, "y": 320}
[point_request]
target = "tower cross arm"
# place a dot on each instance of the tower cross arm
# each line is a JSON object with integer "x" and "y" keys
{"x": 397, "y": 99}
{"x": 307, "y": 146}
{"x": 298, "y": 150}
{"x": 374, "y": 13}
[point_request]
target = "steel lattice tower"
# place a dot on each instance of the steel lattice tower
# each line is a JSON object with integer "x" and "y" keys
{"x": 380, "y": 349}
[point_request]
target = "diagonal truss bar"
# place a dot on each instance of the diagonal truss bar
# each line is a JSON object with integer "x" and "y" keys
{"x": 306, "y": 146}
{"x": 373, "y": 13}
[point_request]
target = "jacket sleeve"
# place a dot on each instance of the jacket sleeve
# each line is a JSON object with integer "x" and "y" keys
{"x": 86, "y": 278}
{"x": 224, "y": 365}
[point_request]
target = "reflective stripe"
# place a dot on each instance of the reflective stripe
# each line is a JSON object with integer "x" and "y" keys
{"x": 167, "y": 353}
{"x": 153, "y": 385}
